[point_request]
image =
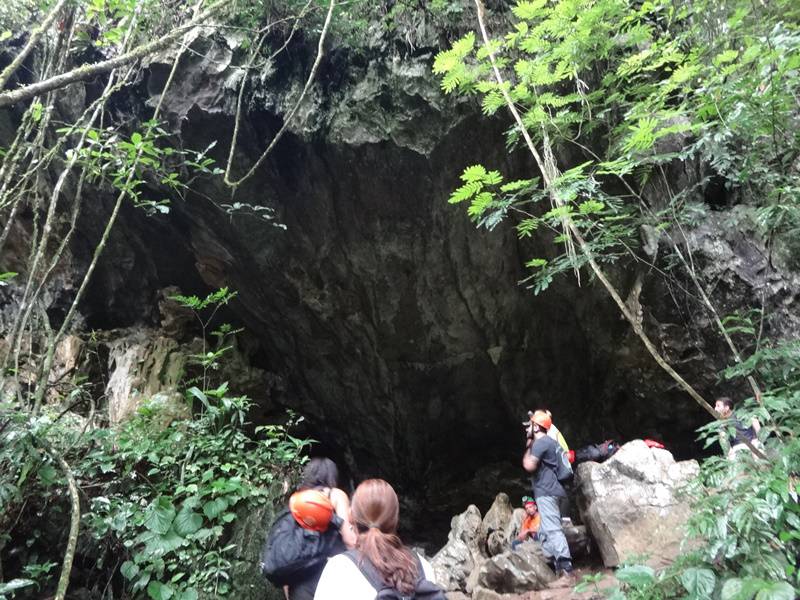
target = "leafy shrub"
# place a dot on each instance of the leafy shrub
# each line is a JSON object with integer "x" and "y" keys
{"x": 159, "y": 499}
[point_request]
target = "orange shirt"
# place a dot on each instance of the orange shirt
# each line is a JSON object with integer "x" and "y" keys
{"x": 531, "y": 523}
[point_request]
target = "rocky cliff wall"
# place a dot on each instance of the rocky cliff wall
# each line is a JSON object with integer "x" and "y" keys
{"x": 393, "y": 325}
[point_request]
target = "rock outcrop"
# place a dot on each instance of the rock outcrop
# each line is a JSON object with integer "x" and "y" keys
{"x": 632, "y": 503}
{"x": 495, "y": 525}
{"x": 522, "y": 570}
{"x": 454, "y": 563}
{"x": 478, "y": 559}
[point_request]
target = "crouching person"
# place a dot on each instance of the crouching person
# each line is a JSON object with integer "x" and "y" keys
{"x": 529, "y": 529}
{"x": 380, "y": 566}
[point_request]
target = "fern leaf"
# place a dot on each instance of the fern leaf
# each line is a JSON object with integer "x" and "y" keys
{"x": 474, "y": 173}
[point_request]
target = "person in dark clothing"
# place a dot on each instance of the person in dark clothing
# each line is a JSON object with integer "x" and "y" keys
{"x": 732, "y": 443}
{"x": 321, "y": 474}
{"x": 541, "y": 454}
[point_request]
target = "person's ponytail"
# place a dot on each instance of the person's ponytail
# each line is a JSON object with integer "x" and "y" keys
{"x": 391, "y": 559}
{"x": 375, "y": 512}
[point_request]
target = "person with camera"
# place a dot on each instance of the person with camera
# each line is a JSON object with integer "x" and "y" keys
{"x": 541, "y": 459}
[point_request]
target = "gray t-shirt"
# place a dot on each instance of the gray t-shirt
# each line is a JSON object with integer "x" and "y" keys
{"x": 544, "y": 480}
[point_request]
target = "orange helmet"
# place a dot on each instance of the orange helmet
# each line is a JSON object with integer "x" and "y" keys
{"x": 311, "y": 509}
{"x": 542, "y": 419}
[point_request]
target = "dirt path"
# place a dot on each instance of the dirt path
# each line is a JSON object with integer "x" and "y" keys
{"x": 565, "y": 593}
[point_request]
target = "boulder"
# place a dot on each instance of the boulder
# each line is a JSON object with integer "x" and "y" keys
{"x": 495, "y": 525}
{"x": 522, "y": 570}
{"x": 632, "y": 506}
{"x": 497, "y": 543}
{"x": 462, "y": 552}
{"x": 515, "y": 523}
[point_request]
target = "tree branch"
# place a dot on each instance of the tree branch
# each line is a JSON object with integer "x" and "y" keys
{"x": 320, "y": 51}
{"x": 74, "y": 528}
{"x": 86, "y": 71}
{"x": 547, "y": 176}
{"x": 32, "y": 41}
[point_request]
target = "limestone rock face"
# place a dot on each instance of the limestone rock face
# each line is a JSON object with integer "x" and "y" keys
{"x": 398, "y": 329}
{"x": 631, "y": 503}
{"x": 144, "y": 365}
{"x": 457, "y": 559}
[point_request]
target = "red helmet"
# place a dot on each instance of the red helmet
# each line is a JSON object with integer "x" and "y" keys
{"x": 311, "y": 509}
{"x": 542, "y": 419}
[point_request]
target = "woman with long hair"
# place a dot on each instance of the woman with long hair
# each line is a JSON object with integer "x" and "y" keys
{"x": 374, "y": 511}
{"x": 321, "y": 474}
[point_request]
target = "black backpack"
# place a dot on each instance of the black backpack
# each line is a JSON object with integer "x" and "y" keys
{"x": 292, "y": 553}
{"x": 563, "y": 468}
{"x": 425, "y": 589}
{"x": 596, "y": 452}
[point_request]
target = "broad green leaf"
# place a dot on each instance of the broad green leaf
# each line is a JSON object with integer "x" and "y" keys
{"x": 617, "y": 594}
{"x": 190, "y": 594}
{"x": 15, "y": 584}
{"x": 213, "y": 508}
{"x": 739, "y": 589}
{"x": 636, "y": 575}
{"x": 187, "y": 522}
{"x": 776, "y": 590}
{"x": 36, "y": 111}
{"x": 159, "y": 545}
{"x": 129, "y": 570}
{"x": 159, "y": 516}
{"x": 159, "y": 591}
{"x": 698, "y": 582}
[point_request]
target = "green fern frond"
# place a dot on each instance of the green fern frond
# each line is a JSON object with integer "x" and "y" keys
{"x": 474, "y": 173}
{"x": 465, "y": 192}
{"x": 479, "y": 205}
{"x": 529, "y": 10}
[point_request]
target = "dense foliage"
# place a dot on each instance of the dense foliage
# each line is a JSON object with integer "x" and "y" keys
{"x": 613, "y": 99}
{"x": 161, "y": 492}
{"x": 631, "y": 88}
{"x": 161, "y": 495}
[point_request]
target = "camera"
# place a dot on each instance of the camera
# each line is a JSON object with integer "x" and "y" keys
{"x": 528, "y": 425}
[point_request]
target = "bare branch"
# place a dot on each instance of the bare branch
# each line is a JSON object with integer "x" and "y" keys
{"x": 74, "y": 528}
{"x": 32, "y": 41}
{"x": 86, "y": 71}
{"x": 320, "y": 51}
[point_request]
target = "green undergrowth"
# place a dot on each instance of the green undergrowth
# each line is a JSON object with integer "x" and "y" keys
{"x": 161, "y": 494}
{"x": 159, "y": 503}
